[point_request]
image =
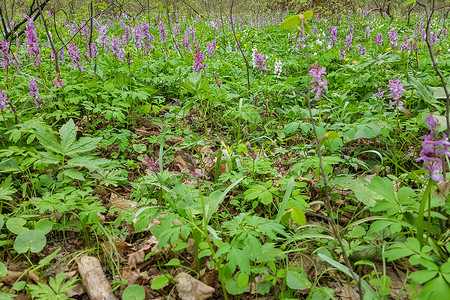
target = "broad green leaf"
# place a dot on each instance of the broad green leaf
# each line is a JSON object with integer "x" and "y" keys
{"x": 44, "y": 226}
{"x": 133, "y": 292}
{"x": 297, "y": 280}
{"x": 291, "y": 22}
{"x": 408, "y": 2}
{"x": 31, "y": 240}
{"x": 242, "y": 280}
{"x": 68, "y": 135}
{"x": 437, "y": 288}
{"x": 173, "y": 262}
{"x": 308, "y": 15}
{"x": 73, "y": 174}
{"x": 233, "y": 287}
{"x": 298, "y": 216}
{"x": 160, "y": 282}
{"x": 85, "y": 144}
{"x": 238, "y": 258}
{"x": 16, "y": 225}
{"x": 47, "y": 139}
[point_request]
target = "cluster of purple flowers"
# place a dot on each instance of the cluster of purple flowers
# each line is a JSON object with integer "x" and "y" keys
{"x": 361, "y": 49}
{"x": 162, "y": 32}
{"x": 211, "y": 48}
{"x": 393, "y": 37}
{"x": 258, "y": 60}
{"x": 397, "y": 90}
{"x": 32, "y": 41}
{"x": 75, "y": 57}
{"x": 117, "y": 48}
{"x": 367, "y": 32}
{"x": 319, "y": 84}
{"x": 333, "y": 35}
{"x": 380, "y": 93}
{"x": 3, "y": 101}
{"x": 349, "y": 41}
{"x": 34, "y": 92}
{"x": 59, "y": 82}
{"x": 379, "y": 39}
{"x": 434, "y": 150}
{"x": 199, "y": 58}
{"x": 151, "y": 165}
{"x": 342, "y": 53}
{"x": 7, "y": 58}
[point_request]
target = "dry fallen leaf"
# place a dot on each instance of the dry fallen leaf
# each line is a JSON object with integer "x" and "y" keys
{"x": 189, "y": 288}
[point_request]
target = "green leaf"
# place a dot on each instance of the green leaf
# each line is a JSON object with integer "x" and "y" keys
{"x": 233, "y": 287}
{"x": 242, "y": 280}
{"x": 298, "y": 216}
{"x": 46, "y": 260}
{"x": 73, "y": 174}
{"x": 133, "y": 292}
{"x": 297, "y": 280}
{"x": 173, "y": 262}
{"x": 3, "y": 269}
{"x": 160, "y": 282}
{"x": 237, "y": 257}
{"x": 31, "y": 240}
{"x": 422, "y": 276}
{"x": 47, "y": 139}
{"x": 371, "y": 294}
{"x": 291, "y": 22}
{"x": 140, "y": 148}
{"x": 16, "y": 225}
{"x": 408, "y": 2}
{"x": 85, "y": 144}
{"x": 437, "y": 288}
{"x": 68, "y": 135}
{"x": 308, "y": 15}
{"x": 44, "y": 226}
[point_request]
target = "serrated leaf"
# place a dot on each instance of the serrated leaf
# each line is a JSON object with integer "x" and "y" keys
{"x": 68, "y": 135}
{"x": 73, "y": 174}
{"x": 46, "y": 138}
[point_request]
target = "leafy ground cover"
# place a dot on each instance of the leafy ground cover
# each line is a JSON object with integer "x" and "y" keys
{"x": 216, "y": 157}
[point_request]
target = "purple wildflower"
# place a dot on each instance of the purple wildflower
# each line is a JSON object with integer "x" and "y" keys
{"x": 34, "y": 91}
{"x": 352, "y": 27}
{"x": 379, "y": 39}
{"x": 434, "y": 150}
{"x": 444, "y": 33}
{"x": 162, "y": 32}
{"x": 7, "y": 58}
{"x": 318, "y": 73}
{"x": 380, "y": 93}
{"x": 342, "y": 53}
{"x": 433, "y": 39}
{"x": 117, "y": 48}
{"x": 333, "y": 35}
{"x": 32, "y": 41}
{"x": 258, "y": 60}
{"x": 3, "y": 101}
{"x": 315, "y": 30}
{"x": 348, "y": 41}
{"x": 74, "y": 54}
{"x": 151, "y": 165}
{"x": 361, "y": 49}
{"x": 393, "y": 37}
{"x": 199, "y": 58}
{"x": 367, "y": 32}
{"x": 59, "y": 82}
{"x": 396, "y": 92}
{"x": 211, "y": 48}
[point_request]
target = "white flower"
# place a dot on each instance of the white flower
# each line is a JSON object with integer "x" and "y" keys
{"x": 278, "y": 67}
